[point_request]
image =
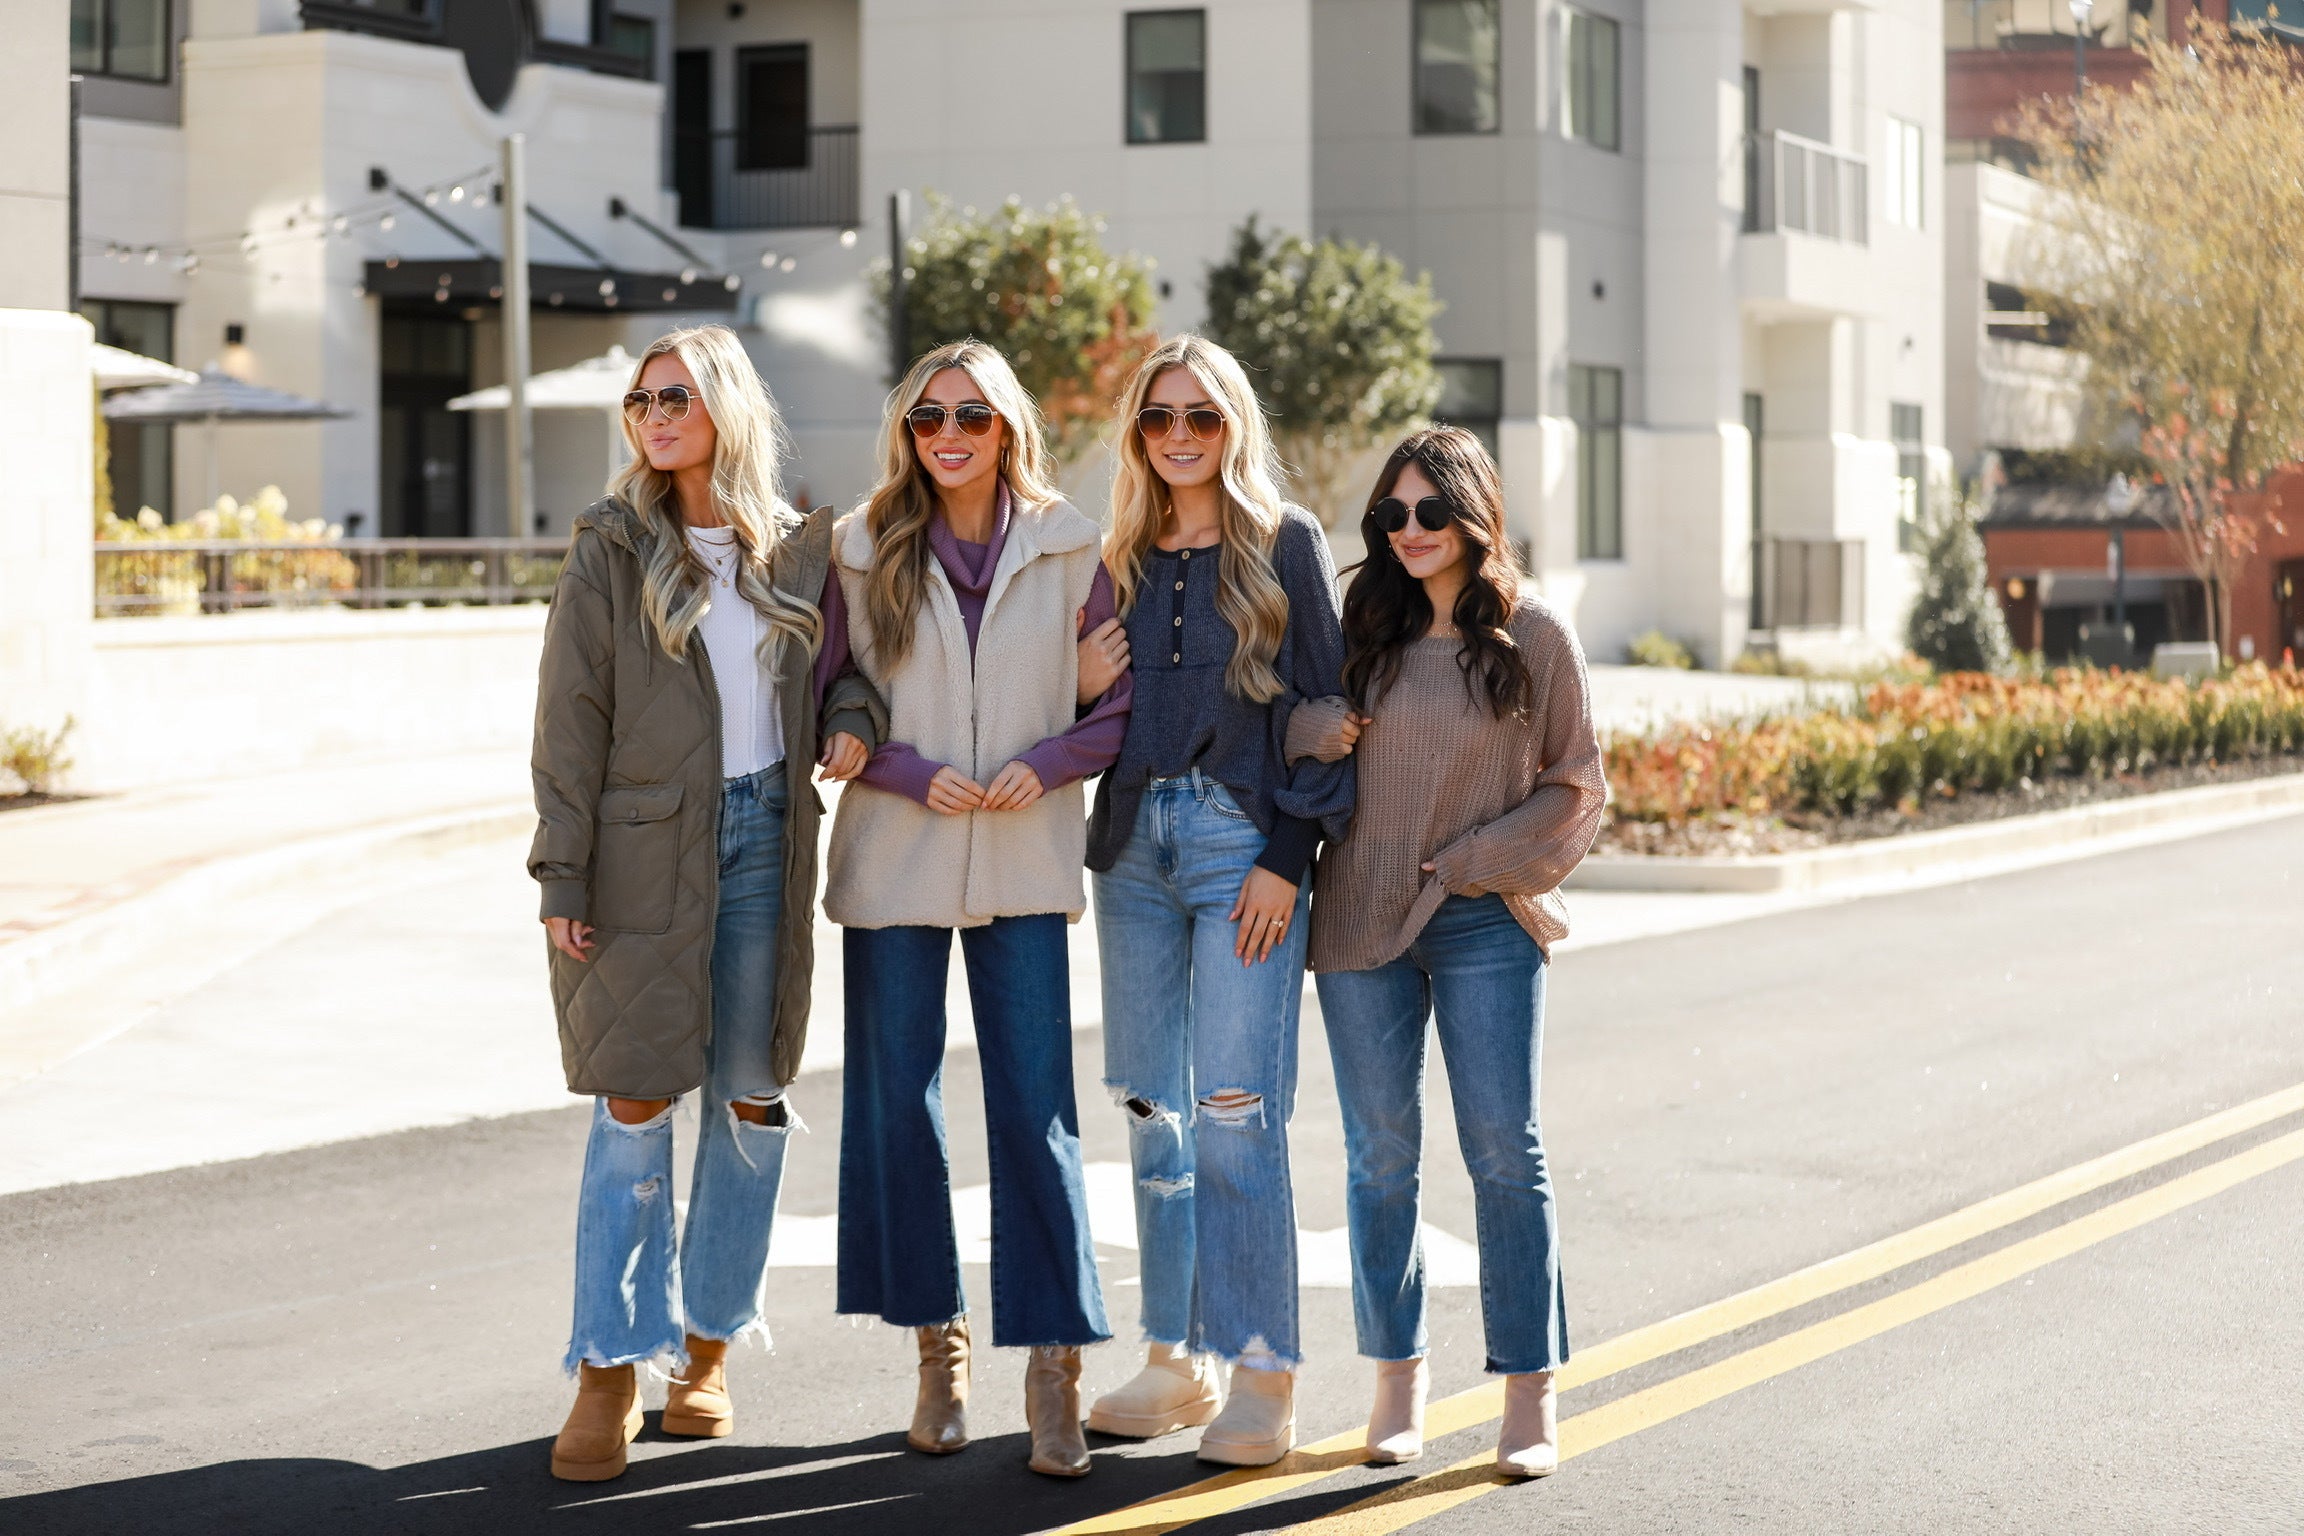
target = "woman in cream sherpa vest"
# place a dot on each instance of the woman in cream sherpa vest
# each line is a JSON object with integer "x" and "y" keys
{"x": 965, "y": 582}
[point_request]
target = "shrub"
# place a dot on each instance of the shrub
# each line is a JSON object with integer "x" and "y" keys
{"x": 1964, "y": 733}
{"x": 1956, "y": 623}
{"x": 1339, "y": 340}
{"x": 1658, "y": 649}
{"x": 1037, "y": 283}
{"x": 173, "y": 579}
{"x": 36, "y": 758}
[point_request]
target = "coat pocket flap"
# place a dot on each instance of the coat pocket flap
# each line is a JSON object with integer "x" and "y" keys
{"x": 639, "y": 802}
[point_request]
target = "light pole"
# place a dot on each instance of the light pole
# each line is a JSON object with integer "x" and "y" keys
{"x": 2120, "y": 500}
{"x": 2080, "y": 13}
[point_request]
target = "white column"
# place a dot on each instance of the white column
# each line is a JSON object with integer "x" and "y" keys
{"x": 1692, "y": 408}
{"x": 47, "y": 440}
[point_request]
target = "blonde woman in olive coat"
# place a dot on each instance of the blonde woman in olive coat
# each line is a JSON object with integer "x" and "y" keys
{"x": 676, "y": 848}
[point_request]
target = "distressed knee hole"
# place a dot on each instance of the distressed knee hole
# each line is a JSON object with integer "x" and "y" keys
{"x": 647, "y": 1189}
{"x": 760, "y": 1109}
{"x": 1232, "y": 1106}
{"x": 1166, "y": 1189}
{"x": 1143, "y": 1112}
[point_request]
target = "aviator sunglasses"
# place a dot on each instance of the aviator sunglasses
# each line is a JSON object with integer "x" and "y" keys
{"x": 672, "y": 398}
{"x": 1202, "y": 421}
{"x": 1433, "y": 513}
{"x": 973, "y": 419}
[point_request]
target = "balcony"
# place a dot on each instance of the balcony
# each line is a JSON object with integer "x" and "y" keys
{"x": 1804, "y": 253}
{"x": 1792, "y": 183}
{"x": 730, "y": 179}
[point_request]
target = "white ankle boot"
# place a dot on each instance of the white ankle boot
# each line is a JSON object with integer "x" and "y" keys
{"x": 1529, "y": 1443}
{"x": 1258, "y": 1424}
{"x": 1175, "y": 1390}
{"x": 1396, "y": 1423}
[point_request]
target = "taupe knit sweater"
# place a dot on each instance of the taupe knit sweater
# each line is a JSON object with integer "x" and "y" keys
{"x": 1509, "y": 806}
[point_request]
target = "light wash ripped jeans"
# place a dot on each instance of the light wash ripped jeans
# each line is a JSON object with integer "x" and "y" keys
{"x": 636, "y": 1295}
{"x": 1200, "y": 1050}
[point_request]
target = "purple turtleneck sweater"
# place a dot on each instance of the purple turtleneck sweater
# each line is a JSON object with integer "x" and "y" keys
{"x": 1091, "y": 745}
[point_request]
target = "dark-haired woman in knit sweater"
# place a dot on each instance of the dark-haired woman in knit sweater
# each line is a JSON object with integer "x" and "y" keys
{"x": 1480, "y": 789}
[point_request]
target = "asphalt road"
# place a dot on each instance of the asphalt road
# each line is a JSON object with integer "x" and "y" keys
{"x": 363, "y": 1337}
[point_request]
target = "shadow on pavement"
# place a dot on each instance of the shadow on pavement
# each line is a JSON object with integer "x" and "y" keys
{"x": 873, "y": 1485}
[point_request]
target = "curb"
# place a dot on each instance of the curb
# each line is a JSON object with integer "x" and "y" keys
{"x": 2074, "y": 832}
{"x": 52, "y": 960}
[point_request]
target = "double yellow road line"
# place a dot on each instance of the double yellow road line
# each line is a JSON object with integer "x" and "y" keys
{"x": 1422, "y": 1497}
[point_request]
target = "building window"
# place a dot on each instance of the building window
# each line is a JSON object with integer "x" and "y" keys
{"x": 1904, "y": 426}
{"x": 772, "y": 107}
{"x": 1596, "y": 405}
{"x": 1815, "y": 583}
{"x": 127, "y": 39}
{"x": 1471, "y": 396}
{"x": 633, "y": 37}
{"x": 1755, "y": 427}
{"x": 1904, "y": 180}
{"x": 1593, "y": 89}
{"x": 1167, "y": 77}
{"x": 1456, "y": 64}
{"x": 142, "y": 460}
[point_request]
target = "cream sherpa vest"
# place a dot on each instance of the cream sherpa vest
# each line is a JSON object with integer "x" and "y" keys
{"x": 893, "y": 861}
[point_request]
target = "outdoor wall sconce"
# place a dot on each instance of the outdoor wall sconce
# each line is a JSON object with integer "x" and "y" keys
{"x": 2015, "y": 589}
{"x": 235, "y": 334}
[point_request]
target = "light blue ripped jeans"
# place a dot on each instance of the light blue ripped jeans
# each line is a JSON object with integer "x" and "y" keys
{"x": 635, "y": 1293}
{"x": 1200, "y": 1051}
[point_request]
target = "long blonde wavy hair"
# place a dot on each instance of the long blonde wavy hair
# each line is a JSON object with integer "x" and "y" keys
{"x": 898, "y": 512}
{"x": 1248, "y": 594}
{"x": 675, "y": 588}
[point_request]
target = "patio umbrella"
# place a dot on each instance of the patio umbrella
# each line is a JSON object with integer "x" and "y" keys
{"x": 596, "y": 384}
{"x": 213, "y": 396}
{"x": 119, "y": 368}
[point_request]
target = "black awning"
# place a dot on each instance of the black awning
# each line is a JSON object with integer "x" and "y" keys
{"x": 420, "y": 284}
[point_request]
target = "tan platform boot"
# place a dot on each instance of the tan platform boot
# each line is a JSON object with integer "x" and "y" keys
{"x": 1396, "y": 1422}
{"x": 1175, "y": 1390}
{"x": 590, "y": 1448}
{"x": 940, "y": 1417}
{"x": 1258, "y": 1424}
{"x": 1052, "y": 1410}
{"x": 1529, "y": 1443}
{"x": 697, "y": 1403}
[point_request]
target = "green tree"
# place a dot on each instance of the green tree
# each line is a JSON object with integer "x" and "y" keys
{"x": 1956, "y": 624}
{"x": 1339, "y": 341}
{"x": 103, "y": 448}
{"x": 1037, "y": 283}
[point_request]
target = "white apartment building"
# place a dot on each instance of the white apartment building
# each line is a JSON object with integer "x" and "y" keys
{"x": 1691, "y": 250}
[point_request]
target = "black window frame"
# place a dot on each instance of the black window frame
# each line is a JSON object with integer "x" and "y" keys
{"x": 750, "y": 155}
{"x": 1597, "y": 430}
{"x": 155, "y": 441}
{"x": 1129, "y": 121}
{"x": 1578, "y": 75}
{"x": 104, "y": 39}
{"x": 1419, "y": 122}
{"x": 1482, "y": 424}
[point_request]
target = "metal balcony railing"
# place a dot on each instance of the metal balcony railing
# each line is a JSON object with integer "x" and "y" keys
{"x": 733, "y": 178}
{"x": 224, "y": 575}
{"x": 1798, "y": 184}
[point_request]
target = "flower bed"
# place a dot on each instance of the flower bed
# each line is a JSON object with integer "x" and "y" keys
{"x": 162, "y": 580}
{"x": 1906, "y": 747}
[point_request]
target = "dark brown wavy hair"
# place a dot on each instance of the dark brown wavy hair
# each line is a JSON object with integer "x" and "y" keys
{"x": 1385, "y": 608}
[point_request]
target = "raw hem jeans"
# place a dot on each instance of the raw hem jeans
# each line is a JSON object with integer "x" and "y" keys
{"x": 1477, "y": 972}
{"x": 635, "y": 1293}
{"x": 1200, "y": 1050}
{"x": 899, "y": 1257}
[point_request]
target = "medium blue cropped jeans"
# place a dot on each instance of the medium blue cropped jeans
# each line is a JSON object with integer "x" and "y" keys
{"x": 899, "y": 1255}
{"x": 635, "y": 1293}
{"x": 1476, "y": 971}
{"x": 1201, "y": 1052}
